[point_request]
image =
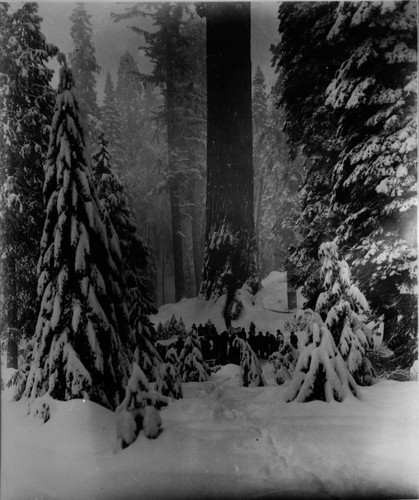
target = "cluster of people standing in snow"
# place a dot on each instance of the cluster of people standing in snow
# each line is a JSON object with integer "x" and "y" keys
{"x": 221, "y": 348}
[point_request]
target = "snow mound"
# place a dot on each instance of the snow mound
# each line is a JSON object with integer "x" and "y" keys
{"x": 221, "y": 441}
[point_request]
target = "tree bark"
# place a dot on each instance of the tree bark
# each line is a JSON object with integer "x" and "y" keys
{"x": 176, "y": 220}
{"x": 390, "y": 324}
{"x": 197, "y": 245}
{"x": 12, "y": 347}
{"x": 230, "y": 253}
{"x": 291, "y": 291}
{"x": 259, "y": 192}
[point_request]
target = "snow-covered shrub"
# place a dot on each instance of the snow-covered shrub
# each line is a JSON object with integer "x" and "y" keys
{"x": 19, "y": 378}
{"x": 168, "y": 381}
{"x": 40, "y": 408}
{"x": 321, "y": 372}
{"x": 172, "y": 328}
{"x": 191, "y": 363}
{"x": 284, "y": 362}
{"x": 345, "y": 308}
{"x": 250, "y": 368}
{"x": 161, "y": 332}
{"x": 136, "y": 412}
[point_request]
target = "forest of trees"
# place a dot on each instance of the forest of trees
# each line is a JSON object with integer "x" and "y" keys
{"x": 200, "y": 173}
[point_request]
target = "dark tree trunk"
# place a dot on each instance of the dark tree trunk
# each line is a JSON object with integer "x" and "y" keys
{"x": 230, "y": 241}
{"x": 12, "y": 346}
{"x": 258, "y": 209}
{"x": 197, "y": 247}
{"x": 390, "y": 324}
{"x": 291, "y": 291}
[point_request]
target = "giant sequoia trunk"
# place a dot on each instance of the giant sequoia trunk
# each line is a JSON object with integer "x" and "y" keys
{"x": 230, "y": 242}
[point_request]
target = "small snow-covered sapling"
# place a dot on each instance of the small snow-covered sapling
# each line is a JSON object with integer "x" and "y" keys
{"x": 136, "y": 411}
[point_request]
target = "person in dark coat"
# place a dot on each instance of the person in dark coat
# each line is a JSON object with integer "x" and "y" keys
{"x": 179, "y": 345}
{"x": 294, "y": 340}
{"x": 280, "y": 339}
{"x": 223, "y": 348}
{"x": 233, "y": 351}
{"x": 258, "y": 344}
{"x": 273, "y": 344}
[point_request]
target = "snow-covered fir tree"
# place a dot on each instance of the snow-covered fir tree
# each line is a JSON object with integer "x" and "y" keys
{"x": 81, "y": 348}
{"x": 137, "y": 411}
{"x": 146, "y": 355}
{"x": 82, "y": 60}
{"x": 321, "y": 372}
{"x": 27, "y": 103}
{"x": 345, "y": 308}
{"x": 169, "y": 382}
{"x": 134, "y": 254}
{"x": 112, "y": 127}
{"x": 129, "y": 102}
{"x": 305, "y": 64}
{"x": 374, "y": 93}
{"x": 250, "y": 368}
{"x": 284, "y": 362}
{"x": 192, "y": 366}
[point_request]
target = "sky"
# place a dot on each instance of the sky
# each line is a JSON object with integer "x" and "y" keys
{"x": 111, "y": 40}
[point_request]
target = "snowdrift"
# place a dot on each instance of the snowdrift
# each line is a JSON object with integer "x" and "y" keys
{"x": 221, "y": 441}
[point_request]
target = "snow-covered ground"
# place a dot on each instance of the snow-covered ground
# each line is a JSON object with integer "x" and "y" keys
{"x": 220, "y": 441}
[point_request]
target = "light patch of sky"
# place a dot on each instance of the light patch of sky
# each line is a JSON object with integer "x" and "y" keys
{"x": 111, "y": 40}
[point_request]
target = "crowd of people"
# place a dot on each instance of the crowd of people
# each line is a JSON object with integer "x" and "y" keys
{"x": 221, "y": 348}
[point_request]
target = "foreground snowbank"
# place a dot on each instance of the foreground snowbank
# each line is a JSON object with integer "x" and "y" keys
{"x": 220, "y": 441}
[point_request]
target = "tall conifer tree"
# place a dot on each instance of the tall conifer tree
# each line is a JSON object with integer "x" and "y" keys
{"x": 81, "y": 342}
{"x": 135, "y": 256}
{"x": 113, "y": 128}
{"x": 84, "y": 66}
{"x": 27, "y": 102}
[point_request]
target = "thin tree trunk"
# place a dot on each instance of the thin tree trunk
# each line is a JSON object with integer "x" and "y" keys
{"x": 197, "y": 246}
{"x": 230, "y": 259}
{"x": 174, "y": 194}
{"x": 163, "y": 298}
{"x": 291, "y": 291}
{"x": 258, "y": 207}
{"x": 390, "y": 324}
{"x": 12, "y": 348}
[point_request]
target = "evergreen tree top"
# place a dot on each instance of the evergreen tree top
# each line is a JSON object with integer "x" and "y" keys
{"x": 66, "y": 79}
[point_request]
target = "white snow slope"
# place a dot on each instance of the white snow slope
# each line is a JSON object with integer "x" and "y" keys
{"x": 221, "y": 441}
{"x": 268, "y": 309}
